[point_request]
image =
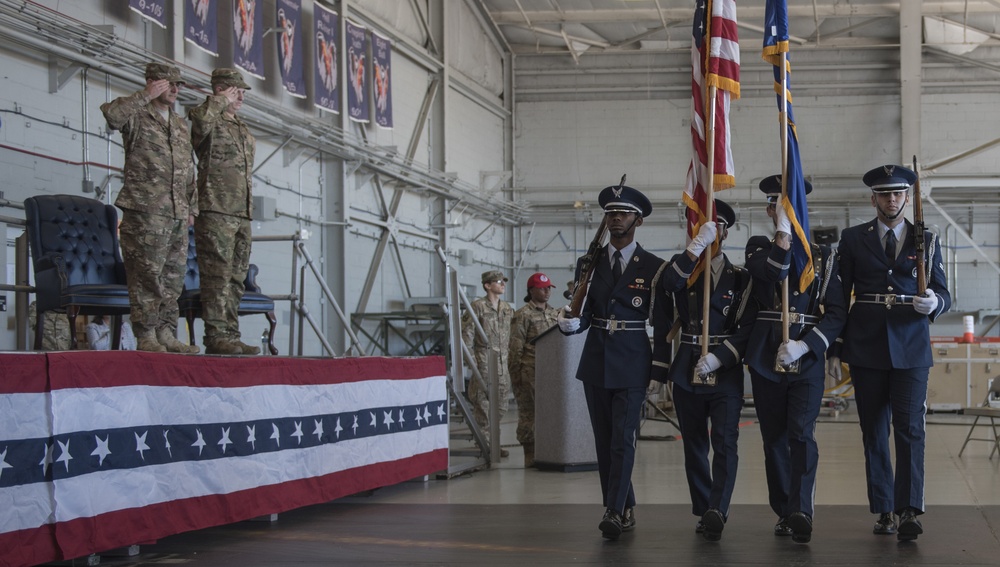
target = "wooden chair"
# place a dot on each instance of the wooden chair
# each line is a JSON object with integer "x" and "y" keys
{"x": 253, "y": 302}
{"x": 77, "y": 263}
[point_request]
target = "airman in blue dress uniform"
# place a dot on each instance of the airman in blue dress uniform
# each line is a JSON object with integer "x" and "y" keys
{"x": 708, "y": 390}
{"x": 788, "y": 403}
{"x": 886, "y": 344}
{"x": 616, "y": 360}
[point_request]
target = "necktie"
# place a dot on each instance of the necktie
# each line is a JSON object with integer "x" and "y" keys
{"x": 890, "y": 245}
{"x": 616, "y": 265}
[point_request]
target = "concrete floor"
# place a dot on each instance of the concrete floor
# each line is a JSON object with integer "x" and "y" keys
{"x": 508, "y": 515}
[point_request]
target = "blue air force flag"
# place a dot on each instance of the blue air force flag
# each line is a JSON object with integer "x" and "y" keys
{"x": 289, "y": 20}
{"x": 248, "y": 35}
{"x": 327, "y": 70}
{"x": 381, "y": 60}
{"x": 152, "y": 10}
{"x": 356, "y": 44}
{"x": 201, "y": 25}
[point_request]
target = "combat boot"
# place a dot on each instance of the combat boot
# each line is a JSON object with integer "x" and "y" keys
{"x": 170, "y": 342}
{"x": 529, "y": 455}
{"x": 148, "y": 343}
{"x": 219, "y": 345}
{"x": 247, "y": 349}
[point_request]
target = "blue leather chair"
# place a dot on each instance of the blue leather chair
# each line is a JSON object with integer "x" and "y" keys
{"x": 77, "y": 263}
{"x": 253, "y": 302}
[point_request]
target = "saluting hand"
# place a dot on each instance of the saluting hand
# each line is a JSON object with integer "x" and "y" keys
{"x": 925, "y": 304}
{"x": 155, "y": 88}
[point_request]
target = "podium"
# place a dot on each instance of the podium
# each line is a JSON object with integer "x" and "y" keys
{"x": 564, "y": 439}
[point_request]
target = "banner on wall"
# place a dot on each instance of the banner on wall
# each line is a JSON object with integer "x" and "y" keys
{"x": 201, "y": 25}
{"x": 248, "y": 35}
{"x": 327, "y": 70}
{"x": 356, "y": 44}
{"x": 152, "y": 10}
{"x": 381, "y": 73}
{"x": 289, "y": 20}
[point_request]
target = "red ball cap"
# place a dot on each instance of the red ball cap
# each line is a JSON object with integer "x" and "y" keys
{"x": 540, "y": 281}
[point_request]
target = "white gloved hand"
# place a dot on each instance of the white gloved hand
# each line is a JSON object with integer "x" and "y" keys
{"x": 704, "y": 238}
{"x": 791, "y": 351}
{"x": 783, "y": 224}
{"x": 925, "y": 304}
{"x": 833, "y": 368}
{"x": 707, "y": 364}
{"x": 567, "y": 324}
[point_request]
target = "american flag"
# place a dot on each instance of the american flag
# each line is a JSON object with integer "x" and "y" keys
{"x": 100, "y": 450}
{"x": 776, "y": 43}
{"x": 715, "y": 61}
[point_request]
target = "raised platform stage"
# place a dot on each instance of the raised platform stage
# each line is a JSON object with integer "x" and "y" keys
{"x": 100, "y": 450}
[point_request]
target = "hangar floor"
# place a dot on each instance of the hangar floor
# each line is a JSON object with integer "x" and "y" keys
{"x": 508, "y": 515}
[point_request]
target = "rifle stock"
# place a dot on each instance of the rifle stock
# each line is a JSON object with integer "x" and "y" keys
{"x": 918, "y": 233}
{"x": 587, "y": 265}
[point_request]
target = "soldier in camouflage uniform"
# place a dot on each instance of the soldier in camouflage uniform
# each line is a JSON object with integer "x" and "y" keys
{"x": 157, "y": 202}
{"x": 494, "y": 315}
{"x": 225, "y": 151}
{"x": 531, "y": 320}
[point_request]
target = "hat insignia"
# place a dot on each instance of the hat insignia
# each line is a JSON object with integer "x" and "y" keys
{"x": 617, "y": 192}
{"x": 888, "y": 169}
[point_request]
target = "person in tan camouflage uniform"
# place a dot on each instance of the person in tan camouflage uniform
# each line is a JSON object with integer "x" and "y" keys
{"x": 225, "y": 151}
{"x": 494, "y": 315}
{"x": 531, "y": 320}
{"x": 157, "y": 202}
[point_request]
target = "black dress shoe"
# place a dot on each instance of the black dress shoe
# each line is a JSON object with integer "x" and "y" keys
{"x": 699, "y": 528}
{"x": 909, "y": 525}
{"x": 782, "y": 528}
{"x": 802, "y": 527}
{"x": 886, "y": 524}
{"x": 628, "y": 519}
{"x": 714, "y": 523}
{"x": 611, "y": 525}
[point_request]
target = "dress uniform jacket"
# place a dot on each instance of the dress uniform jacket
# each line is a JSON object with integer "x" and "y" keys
{"x": 615, "y": 359}
{"x": 769, "y": 264}
{"x": 883, "y": 336}
{"x": 725, "y": 310}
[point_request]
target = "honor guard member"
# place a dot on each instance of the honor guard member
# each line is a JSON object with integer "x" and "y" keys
{"x": 788, "y": 378}
{"x": 222, "y": 231}
{"x": 886, "y": 344}
{"x": 158, "y": 201}
{"x": 494, "y": 315}
{"x": 708, "y": 391}
{"x": 531, "y": 320}
{"x": 616, "y": 360}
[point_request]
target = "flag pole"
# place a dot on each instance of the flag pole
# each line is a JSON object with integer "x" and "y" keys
{"x": 709, "y": 210}
{"x": 783, "y": 115}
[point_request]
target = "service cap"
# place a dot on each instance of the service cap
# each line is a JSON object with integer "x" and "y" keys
{"x": 158, "y": 71}
{"x": 624, "y": 198}
{"x": 229, "y": 78}
{"x": 889, "y": 178}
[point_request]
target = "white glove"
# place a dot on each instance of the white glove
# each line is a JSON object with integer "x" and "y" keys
{"x": 704, "y": 238}
{"x": 567, "y": 324}
{"x": 791, "y": 351}
{"x": 783, "y": 224}
{"x": 925, "y": 304}
{"x": 707, "y": 364}
{"x": 833, "y": 368}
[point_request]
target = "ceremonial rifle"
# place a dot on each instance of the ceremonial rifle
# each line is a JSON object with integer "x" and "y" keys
{"x": 918, "y": 233}
{"x": 587, "y": 265}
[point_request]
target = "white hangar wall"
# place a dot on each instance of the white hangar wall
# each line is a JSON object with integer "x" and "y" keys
{"x": 316, "y": 189}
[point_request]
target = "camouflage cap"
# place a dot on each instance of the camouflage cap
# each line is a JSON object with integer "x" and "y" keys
{"x": 229, "y": 77}
{"x": 157, "y": 71}
{"x": 493, "y": 276}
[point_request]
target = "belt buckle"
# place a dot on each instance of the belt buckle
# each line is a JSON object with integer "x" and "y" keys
{"x": 889, "y": 300}
{"x": 795, "y": 318}
{"x": 612, "y": 326}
